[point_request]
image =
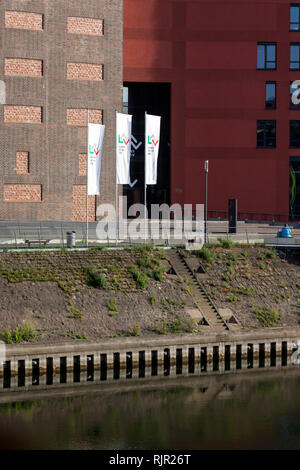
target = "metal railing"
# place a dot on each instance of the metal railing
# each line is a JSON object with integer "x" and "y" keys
{"x": 41, "y": 235}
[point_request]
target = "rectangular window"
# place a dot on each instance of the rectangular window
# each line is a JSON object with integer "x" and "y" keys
{"x": 295, "y": 56}
{"x": 270, "y": 95}
{"x": 295, "y": 134}
{"x": 295, "y": 94}
{"x": 125, "y": 99}
{"x": 295, "y": 17}
{"x": 266, "y": 134}
{"x": 266, "y": 56}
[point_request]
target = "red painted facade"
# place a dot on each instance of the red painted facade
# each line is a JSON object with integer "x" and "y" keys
{"x": 207, "y": 50}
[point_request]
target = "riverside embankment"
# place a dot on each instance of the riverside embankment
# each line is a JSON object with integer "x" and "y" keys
{"x": 59, "y": 296}
{"x": 105, "y": 315}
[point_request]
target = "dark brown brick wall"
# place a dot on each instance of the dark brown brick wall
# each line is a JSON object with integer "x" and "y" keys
{"x": 46, "y": 32}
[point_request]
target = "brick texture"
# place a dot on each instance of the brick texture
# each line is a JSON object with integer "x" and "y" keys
{"x": 47, "y": 116}
{"x": 24, "y": 114}
{"x": 24, "y": 20}
{"x": 82, "y": 164}
{"x": 23, "y": 67}
{"x": 79, "y": 205}
{"x": 78, "y": 117}
{"x": 22, "y": 192}
{"x": 92, "y": 26}
{"x": 22, "y": 163}
{"x": 80, "y": 71}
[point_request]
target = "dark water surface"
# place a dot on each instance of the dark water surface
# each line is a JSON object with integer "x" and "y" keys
{"x": 246, "y": 411}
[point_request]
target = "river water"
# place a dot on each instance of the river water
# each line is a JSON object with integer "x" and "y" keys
{"x": 259, "y": 410}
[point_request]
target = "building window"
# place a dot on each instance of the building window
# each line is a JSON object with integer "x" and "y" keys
{"x": 266, "y": 134}
{"x": 295, "y": 56}
{"x": 125, "y": 99}
{"x": 266, "y": 56}
{"x": 270, "y": 95}
{"x": 295, "y": 134}
{"x": 295, "y": 94}
{"x": 295, "y": 17}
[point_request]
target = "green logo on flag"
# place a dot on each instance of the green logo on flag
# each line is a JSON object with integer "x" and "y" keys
{"x": 152, "y": 140}
{"x": 122, "y": 139}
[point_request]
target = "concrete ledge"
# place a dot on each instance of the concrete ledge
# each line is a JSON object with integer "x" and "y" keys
{"x": 282, "y": 241}
{"x": 152, "y": 342}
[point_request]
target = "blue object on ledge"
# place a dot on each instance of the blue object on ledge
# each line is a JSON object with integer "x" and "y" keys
{"x": 285, "y": 232}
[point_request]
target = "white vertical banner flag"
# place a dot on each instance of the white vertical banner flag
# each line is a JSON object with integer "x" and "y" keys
{"x": 123, "y": 148}
{"x": 152, "y": 147}
{"x": 95, "y": 141}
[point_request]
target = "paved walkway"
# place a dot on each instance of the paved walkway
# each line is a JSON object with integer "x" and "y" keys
{"x": 14, "y": 232}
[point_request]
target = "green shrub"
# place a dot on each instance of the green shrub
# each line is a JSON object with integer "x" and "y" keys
{"x": 18, "y": 335}
{"x": 112, "y": 304}
{"x": 140, "y": 279}
{"x": 136, "y": 329}
{"x": 157, "y": 274}
{"x": 94, "y": 279}
{"x": 162, "y": 327}
{"x": 8, "y": 337}
{"x": 206, "y": 254}
{"x": 227, "y": 244}
{"x": 267, "y": 316}
{"x": 145, "y": 261}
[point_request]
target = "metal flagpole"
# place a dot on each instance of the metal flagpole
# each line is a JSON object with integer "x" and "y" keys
{"x": 116, "y": 189}
{"x": 206, "y": 175}
{"x": 87, "y": 180}
{"x": 145, "y": 184}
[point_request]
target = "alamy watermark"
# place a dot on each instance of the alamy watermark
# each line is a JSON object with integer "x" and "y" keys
{"x": 295, "y": 85}
{"x": 2, "y": 353}
{"x": 296, "y": 352}
{"x": 160, "y": 223}
{"x": 2, "y": 92}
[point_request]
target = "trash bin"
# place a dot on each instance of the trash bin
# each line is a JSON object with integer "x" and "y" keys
{"x": 71, "y": 239}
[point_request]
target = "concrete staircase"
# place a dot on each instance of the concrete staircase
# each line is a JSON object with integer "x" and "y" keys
{"x": 208, "y": 313}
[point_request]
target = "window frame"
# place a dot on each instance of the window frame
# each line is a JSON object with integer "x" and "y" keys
{"x": 295, "y": 44}
{"x": 295, "y": 5}
{"x": 290, "y": 145}
{"x": 265, "y": 146}
{"x": 271, "y": 82}
{"x": 266, "y": 61}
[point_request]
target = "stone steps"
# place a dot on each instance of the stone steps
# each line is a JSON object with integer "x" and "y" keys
{"x": 208, "y": 314}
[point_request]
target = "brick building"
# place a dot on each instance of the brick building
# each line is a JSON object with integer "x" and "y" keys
{"x": 57, "y": 58}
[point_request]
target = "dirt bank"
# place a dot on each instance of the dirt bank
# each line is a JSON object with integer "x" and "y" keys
{"x": 48, "y": 297}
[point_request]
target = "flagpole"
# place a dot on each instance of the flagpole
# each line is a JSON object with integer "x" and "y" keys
{"x": 116, "y": 188}
{"x": 145, "y": 184}
{"x": 87, "y": 180}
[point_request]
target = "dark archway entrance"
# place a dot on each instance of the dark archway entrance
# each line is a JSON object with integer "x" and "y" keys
{"x": 155, "y": 99}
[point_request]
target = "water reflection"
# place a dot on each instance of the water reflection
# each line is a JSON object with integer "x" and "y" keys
{"x": 250, "y": 411}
